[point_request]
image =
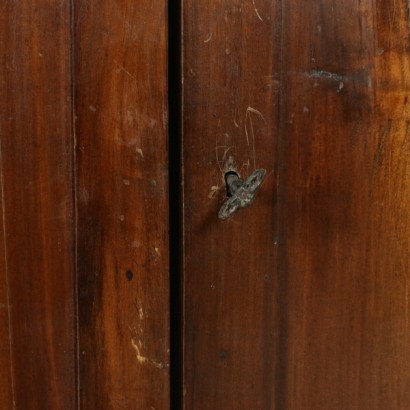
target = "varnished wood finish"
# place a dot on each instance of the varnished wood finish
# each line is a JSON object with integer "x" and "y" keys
{"x": 322, "y": 321}
{"x": 6, "y": 387}
{"x": 37, "y": 338}
{"x": 231, "y": 95}
{"x": 346, "y": 201}
{"x": 299, "y": 302}
{"x": 122, "y": 172}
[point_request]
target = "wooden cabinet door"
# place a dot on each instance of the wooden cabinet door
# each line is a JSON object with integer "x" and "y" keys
{"x": 84, "y": 284}
{"x": 300, "y": 301}
{"x": 120, "y": 286}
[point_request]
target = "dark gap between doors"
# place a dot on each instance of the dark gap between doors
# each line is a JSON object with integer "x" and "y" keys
{"x": 175, "y": 202}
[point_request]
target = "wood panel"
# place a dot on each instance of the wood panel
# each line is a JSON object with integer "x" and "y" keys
{"x": 301, "y": 301}
{"x": 345, "y": 196}
{"x": 122, "y": 174}
{"x": 230, "y": 108}
{"x": 37, "y": 262}
{"x": 6, "y": 385}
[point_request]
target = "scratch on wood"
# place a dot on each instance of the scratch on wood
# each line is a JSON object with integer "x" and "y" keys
{"x": 256, "y": 11}
{"x": 248, "y": 119}
{"x": 143, "y": 359}
{"x": 122, "y": 68}
{"x": 378, "y": 157}
{"x": 406, "y": 134}
{"x": 208, "y": 39}
{"x": 250, "y": 109}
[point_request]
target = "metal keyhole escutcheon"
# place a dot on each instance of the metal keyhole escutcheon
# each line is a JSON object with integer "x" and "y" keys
{"x": 241, "y": 192}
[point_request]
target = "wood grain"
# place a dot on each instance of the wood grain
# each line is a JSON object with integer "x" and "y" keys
{"x": 300, "y": 302}
{"x": 6, "y": 384}
{"x": 37, "y": 262}
{"x": 230, "y": 96}
{"x": 122, "y": 175}
{"x": 346, "y": 195}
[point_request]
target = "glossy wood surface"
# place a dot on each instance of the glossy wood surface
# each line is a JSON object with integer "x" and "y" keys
{"x": 346, "y": 200}
{"x": 122, "y": 176}
{"x": 37, "y": 339}
{"x": 230, "y": 108}
{"x": 301, "y": 301}
{"x": 6, "y": 387}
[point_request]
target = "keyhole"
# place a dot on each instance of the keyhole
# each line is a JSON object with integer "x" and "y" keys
{"x": 227, "y": 175}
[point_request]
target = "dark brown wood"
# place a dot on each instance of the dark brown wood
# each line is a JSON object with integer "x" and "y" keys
{"x": 37, "y": 262}
{"x": 231, "y": 108}
{"x": 346, "y": 200}
{"x": 122, "y": 175}
{"x": 6, "y": 387}
{"x": 301, "y": 301}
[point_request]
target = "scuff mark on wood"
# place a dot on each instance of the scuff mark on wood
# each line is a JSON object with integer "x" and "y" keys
{"x": 140, "y": 152}
{"x": 213, "y": 191}
{"x": 146, "y": 360}
{"x": 327, "y": 74}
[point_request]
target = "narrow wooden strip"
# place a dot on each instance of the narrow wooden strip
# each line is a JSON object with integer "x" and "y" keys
{"x": 6, "y": 365}
{"x": 122, "y": 193}
{"x": 230, "y": 93}
{"x": 37, "y": 149}
{"x": 346, "y": 199}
